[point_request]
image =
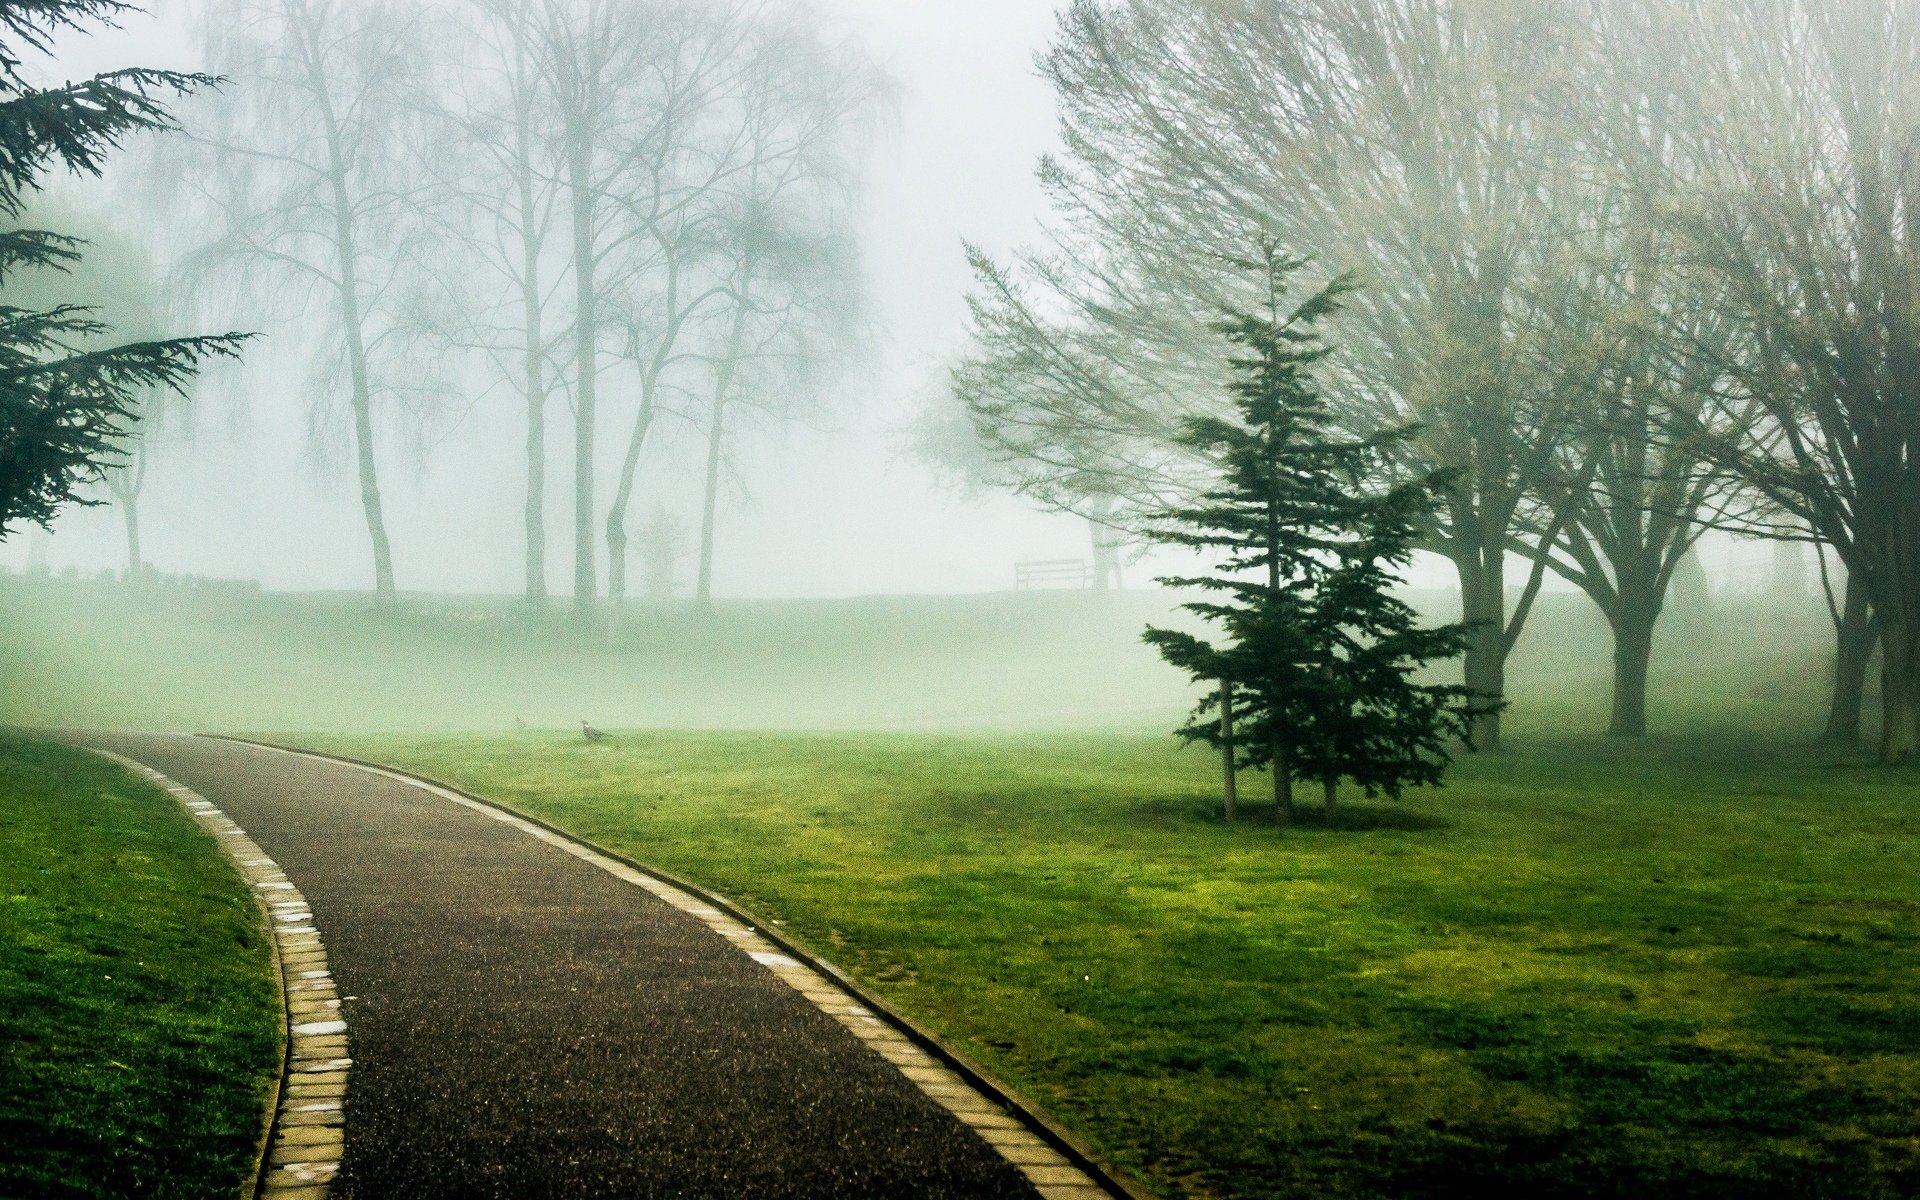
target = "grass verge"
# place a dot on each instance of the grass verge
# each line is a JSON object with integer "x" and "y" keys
{"x": 1685, "y": 971}
{"x": 138, "y": 1027}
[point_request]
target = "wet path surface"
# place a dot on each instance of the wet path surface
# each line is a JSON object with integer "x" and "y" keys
{"x": 523, "y": 1024}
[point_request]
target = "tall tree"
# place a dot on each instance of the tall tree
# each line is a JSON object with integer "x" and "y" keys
{"x": 1804, "y": 116}
{"x": 68, "y": 399}
{"x": 310, "y": 179}
{"x": 1321, "y": 656}
{"x": 1622, "y": 502}
{"x": 493, "y": 191}
{"x": 669, "y": 227}
{"x": 789, "y": 305}
{"x": 588, "y": 47}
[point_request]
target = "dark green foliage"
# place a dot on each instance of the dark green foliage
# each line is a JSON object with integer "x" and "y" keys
{"x": 1320, "y": 654}
{"x": 66, "y": 403}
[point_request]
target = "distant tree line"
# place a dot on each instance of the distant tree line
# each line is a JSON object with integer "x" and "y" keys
{"x": 637, "y": 210}
{"x": 1633, "y": 269}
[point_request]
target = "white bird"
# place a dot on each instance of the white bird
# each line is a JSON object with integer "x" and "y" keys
{"x": 591, "y": 734}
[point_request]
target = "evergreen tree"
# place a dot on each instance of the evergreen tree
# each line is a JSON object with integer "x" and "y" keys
{"x": 1319, "y": 656}
{"x": 67, "y": 403}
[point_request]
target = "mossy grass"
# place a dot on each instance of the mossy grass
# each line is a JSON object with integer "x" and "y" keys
{"x": 138, "y": 1026}
{"x": 1587, "y": 968}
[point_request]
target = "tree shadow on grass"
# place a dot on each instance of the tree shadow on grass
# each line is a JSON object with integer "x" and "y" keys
{"x": 1347, "y": 818}
{"x": 1365, "y": 818}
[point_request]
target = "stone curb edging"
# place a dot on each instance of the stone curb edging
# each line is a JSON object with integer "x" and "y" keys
{"x": 1059, "y": 1164}
{"x": 304, "y": 1122}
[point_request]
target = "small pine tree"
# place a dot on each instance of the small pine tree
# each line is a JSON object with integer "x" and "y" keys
{"x": 1319, "y": 656}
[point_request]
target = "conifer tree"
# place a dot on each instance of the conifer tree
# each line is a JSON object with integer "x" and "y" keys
{"x": 66, "y": 402}
{"x": 1319, "y": 656}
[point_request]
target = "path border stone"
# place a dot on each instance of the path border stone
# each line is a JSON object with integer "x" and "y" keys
{"x": 1059, "y": 1164}
{"x": 303, "y": 1122}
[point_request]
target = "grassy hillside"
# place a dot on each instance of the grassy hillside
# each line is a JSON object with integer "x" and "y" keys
{"x": 170, "y": 657}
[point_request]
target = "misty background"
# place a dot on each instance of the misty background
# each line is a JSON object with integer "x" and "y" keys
{"x": 830, "y": 507}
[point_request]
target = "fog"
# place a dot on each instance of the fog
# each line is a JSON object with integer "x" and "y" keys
{"x": 889, "y": 299}
{"x": 1332, "y": 587}
{"x": 823, "y": 509}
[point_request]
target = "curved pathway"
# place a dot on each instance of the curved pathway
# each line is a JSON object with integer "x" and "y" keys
{"x": 523, "y": 1023}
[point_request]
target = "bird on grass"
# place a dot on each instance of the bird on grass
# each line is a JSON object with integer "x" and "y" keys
{"x": 590, "y": 733}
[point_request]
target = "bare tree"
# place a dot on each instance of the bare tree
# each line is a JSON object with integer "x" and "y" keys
{"x": 665, "y": 223}
{"x": 1407, "y": 142}
{"x": 493, "y": 192}
{"x": 1624, "y": 500}
{"x": 309, "y": 180}
{"x": 662, "y": 538}
{"x": 1804, "y": 119}
{"x": 588, "y": 50}
{"x": 785, "y": 262}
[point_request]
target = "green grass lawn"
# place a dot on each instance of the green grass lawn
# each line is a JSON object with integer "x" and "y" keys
{"x": 138, "y": 1027}
{"x": 1586, "y": 969}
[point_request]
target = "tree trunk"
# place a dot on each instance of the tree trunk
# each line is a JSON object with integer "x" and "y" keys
{"x": 586, "y": 360}
{"x": 383, "y": 586}
{"x": 1282, "y": 783}
{"x": 716, "y": 431}
{"x": 622, "y": 498}
{"x": 1483, "y": 605}
{"x": 345, "y": 245}
{"x": 130, "y": 513}
{"x": 536, "y": 391}
{"x": 1106, "y": 546}
{"x": 536, "y": 505}
{"x": 1897, "y": 692}
{"x": 1282, "y": 765}
{"x": 1230, "y": 788}
{"x": 1632, "y": 655}
{"x": 1102, "y": 556}
{"x": 125, "y": 483}
{"x": 1853, "y": 651}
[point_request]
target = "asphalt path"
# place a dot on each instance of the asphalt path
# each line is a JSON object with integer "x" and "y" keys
{"x": 524, "y": 1024}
